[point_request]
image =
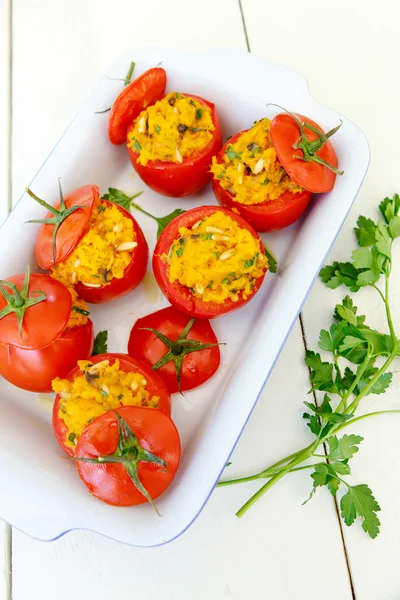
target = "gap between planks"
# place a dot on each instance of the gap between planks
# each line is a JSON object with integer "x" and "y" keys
{"x": 303, "y": 334}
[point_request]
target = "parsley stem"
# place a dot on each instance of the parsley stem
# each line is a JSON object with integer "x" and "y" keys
{"x": 342, "y": 406}
{"x": 263, "y": 475}
{"x": 372, "y": 414}
{"x": 137, "y": 207}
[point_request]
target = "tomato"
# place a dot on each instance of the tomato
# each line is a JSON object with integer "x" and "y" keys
{"x": 188, "y": 177}
{"x": 133, "y": 273}
{"x": 180, "y": 296}
{"x": 155, "y": 386}
{"x": 34, "y": 370}
{"x": 73, "y": 224}
{"x": 135, "y": 97}
{"x": 126, "y": 435}
{"x": 34, "y": 310}
{"x": 305, "y": 151}
{"x": 189, "y": 365}
{"x": 271, "y": 214}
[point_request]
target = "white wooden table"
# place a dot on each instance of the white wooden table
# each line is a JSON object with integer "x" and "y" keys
{"x": 51, "y": 55}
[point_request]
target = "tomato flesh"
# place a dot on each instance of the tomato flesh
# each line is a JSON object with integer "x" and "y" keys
{"x": 186, "y": 178}
{"x": 155, "y": 385}
{"x": 268, "y": 216}
{"x": 197, "y": 367}
{"x": 135, "y": 97}
{"x": 180, "y": 296}
{"x": 312, "y": 176}
{"x": 111, "y": 483}
{"x": 34, "y": 370}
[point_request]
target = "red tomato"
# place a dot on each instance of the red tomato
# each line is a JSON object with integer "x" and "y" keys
{"x": 143, "y": 91}
{"x": 34, "y": 370}
{"x": 155, "y": 386}
{"x": 197, "y": 365}
{"x": 271, "y": 214}
{"x": 133, "y": 273}
{"x": 188, "y": 177}
{"x": 179, "y": 295}
{"x": 313, "y": 176}
{"x": 71, "y": 229}
{"x": 43, "y": 322}
{"x": 154, "y": 432}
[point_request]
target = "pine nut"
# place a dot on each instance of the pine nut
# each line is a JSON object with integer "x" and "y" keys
{"x": 235, "y": 298}
{"x": 258, "y": 167}
{"x": 240, "y": 167}
{"x": 144, "y": 382}
{"x": 65, "y": 395}
{"x": 220, "y": 238}
{"x": 77, "y": 263}
{"x": 98, "y": 366}
{"x": 199, "y": 288}
{"x": 179, "y": 156}
{"x": 118, "y": 227}
{"x": 176, "y": 110}
{"x": 126, "y": 246}
{"x": 91, "y": 285}
{"x": 197, "y": 224}
{"x": 227, "y": 254}
{"x": 105, "y": 389}
{"x": 134, "y": 386}
{"x": 142, "y": 125}
{"x": 213, "y": 230}
{"x": 74, "y": 277}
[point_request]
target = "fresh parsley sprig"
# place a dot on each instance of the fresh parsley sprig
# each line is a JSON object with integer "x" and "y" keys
{"x": 126, "y": 202}
{"x": 367, "y": 355}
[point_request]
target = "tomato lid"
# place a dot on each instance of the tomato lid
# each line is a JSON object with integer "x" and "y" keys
{"x": 64, "y": 224}
{"x": 34, "y": 310}
{"x": 305, "y": 151}
{"x": 135, "y": 97}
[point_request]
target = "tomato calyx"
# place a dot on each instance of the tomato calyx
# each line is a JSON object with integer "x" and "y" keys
{"x": 177, "y": 350}
{"x": 60, "y": 214}
{"x": 129, "y": 453}
{"x": 18, "y": 301}
{"x": 126, "y": 81}
{"x": 310, "y": 148}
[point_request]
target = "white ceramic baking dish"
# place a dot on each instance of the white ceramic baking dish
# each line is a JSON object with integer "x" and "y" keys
{"x": 41, "y": 493}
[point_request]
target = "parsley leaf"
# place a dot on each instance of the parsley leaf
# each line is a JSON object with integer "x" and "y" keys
{"x": 231, "y": 154}
{"x": 164, "y": 221}
{"x": 383, "y": 241}
{"x": 119, "y": 197}
{"x": 344, "y": 448}
{"x": 365, "y": 232}
{"x": 321, "y": 372}
{"x": 273, "y": 265}
{"x": 390, "y": 207}
{"x": 340, "y": 274}
{"x": 359, "y": 501}
{"x": 100, "y": 343}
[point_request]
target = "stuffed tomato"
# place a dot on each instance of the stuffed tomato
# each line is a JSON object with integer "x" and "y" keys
{"x": 98, "y": 384}
{"x": 94, "y": 245}
{"x": 171, "y": 140}
{"x": 267, "y": 173}
{"x": 41, "y": 334}
{"x": 209, "y": 261}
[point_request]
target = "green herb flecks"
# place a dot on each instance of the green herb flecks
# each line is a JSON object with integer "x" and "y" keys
{"x": 273, "y": 265}
{"x": 199, "y": 113}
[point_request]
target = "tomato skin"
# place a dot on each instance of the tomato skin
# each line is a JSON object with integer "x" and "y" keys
{"x": 34, "y": 370}
{"x": 155, "y": 386}
{"x": 135, "y": 97}
{"x": 70, "y": 231}
{"x": 178, "y": 295}
{"x": 197, "y": 367}
{"x": 110, "y": 482}
{"x": 268, "y": 216}
{"x": 133, "y": 273}
{"x": 179, "y": 180}
{"x": 43, "y": 322}
{"x": 312, "y": 176}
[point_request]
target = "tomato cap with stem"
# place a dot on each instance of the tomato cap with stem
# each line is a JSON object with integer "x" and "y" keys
{"x": 177, "y": 350}
{"x": 60, "y": 214}
{"x": 18, "y": 301}
{"x": 129, "y": 453}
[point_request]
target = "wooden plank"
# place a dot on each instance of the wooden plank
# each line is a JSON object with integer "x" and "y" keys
{"x": 5, "y": 561}
{"x": 270, "y": 551}
{"x": 356, "y": 77}
{"x": 5, "y": 57}
{"x": 219, "y": 556}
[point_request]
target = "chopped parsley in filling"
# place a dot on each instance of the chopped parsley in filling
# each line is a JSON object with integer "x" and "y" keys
{"x": 103, "y": 253}
{"x": 171, "y": 129}
{"x": 216, "y": 259}
{"x": 102, "y": 388}
{"x": 251, "y": 170}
